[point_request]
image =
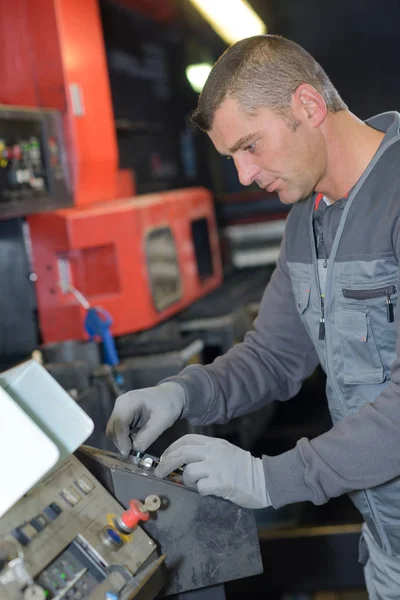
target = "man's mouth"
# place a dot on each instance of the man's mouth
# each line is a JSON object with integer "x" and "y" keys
{"x": 272, "y": 186}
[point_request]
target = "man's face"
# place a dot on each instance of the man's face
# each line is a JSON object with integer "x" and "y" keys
{"x": 266, "y": 150}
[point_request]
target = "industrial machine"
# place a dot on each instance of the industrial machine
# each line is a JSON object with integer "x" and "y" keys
{"x": 142, "y": 259}
{"x": 33, "y": 171}
{"x": 252, "y": 226}
{"x": 72, "y": 527}
{"x": 58, "y": 143}
{"x": 74, "y": 82}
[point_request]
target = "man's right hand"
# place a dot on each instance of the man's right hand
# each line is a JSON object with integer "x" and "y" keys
{"x": 151, "y": 410}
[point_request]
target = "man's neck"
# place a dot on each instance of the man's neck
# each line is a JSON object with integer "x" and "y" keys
{"x": 350, "y": 146}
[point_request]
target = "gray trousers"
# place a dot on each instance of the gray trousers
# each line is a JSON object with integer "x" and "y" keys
{"x": 382, "y": 572}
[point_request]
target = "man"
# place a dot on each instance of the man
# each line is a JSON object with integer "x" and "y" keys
{"x": 271, "y": 108}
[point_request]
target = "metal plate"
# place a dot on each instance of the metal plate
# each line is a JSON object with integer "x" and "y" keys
{"x": 207, "y": 540}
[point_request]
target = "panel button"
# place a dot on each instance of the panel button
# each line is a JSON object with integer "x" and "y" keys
{"x": 84, "y": 484}
{"x": 29, "y": 531}
{"x": 52, "y": 511}
{"x": 71, "y": 495}
{"x": 54, "y": 585}
{"x": 56, "y": 507}
{"x": 39, "y": 523}
{"x": 110, "y": 596}
{"x": 68, "y": 566}
{"x": 25, "y": 533}
{"x": 20, "y": 536}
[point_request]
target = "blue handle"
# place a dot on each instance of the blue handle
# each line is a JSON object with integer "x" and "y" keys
{"x": 98, "y": 323}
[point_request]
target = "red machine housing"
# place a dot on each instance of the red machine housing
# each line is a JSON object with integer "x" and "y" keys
{"x": 53, "y": 56}
{"x": 142, "y": 259}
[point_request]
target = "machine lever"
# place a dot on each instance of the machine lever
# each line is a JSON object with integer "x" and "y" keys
{"x": 98, "y": 325}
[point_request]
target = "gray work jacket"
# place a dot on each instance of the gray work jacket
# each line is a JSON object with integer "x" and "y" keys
{"x": 352, "y": 331}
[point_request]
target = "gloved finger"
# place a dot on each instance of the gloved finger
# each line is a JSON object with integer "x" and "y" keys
{"x": 174, "y": 460}
{"x": 148, "y": 434}
{"x": 194, "y": 472}
{"x": 206, "y": 487}
{"x": 123, "y": 412}
{"x": 118, "y": 432}
{"x": 216, "y": 485}
{"x": 191, "y": 439}
{"x": 125, "y": 415}
{"x": 110, "y": 428}
{"x": 119, "y": 435}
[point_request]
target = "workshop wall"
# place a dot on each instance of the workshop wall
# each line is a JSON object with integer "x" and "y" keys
{"x": 146, "y": 61}
{"x": 356, "y": 42}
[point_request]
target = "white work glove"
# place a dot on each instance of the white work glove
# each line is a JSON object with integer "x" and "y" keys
{"x": 217, "y": 468}
{"x": 151, "y": 410}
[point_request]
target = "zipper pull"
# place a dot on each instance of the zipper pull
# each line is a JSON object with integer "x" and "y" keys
{"x": 389, "y": 308}
{"x": 321, "y": 332}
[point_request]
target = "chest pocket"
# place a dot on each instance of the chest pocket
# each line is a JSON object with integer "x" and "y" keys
{"x": 362, "y": 315}
{"x": 302, "y": 295}
{"x": 361, "y": 360}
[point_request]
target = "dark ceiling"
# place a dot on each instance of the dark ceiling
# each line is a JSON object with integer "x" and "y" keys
{"x": 356, "y": 41}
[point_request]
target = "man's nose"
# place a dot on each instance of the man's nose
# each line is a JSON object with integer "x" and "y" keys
{"x": 247, "y": 172}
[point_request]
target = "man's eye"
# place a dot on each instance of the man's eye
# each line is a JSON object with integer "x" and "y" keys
{"x": 251, "y": 147}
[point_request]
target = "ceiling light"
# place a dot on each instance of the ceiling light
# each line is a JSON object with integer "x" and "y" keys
{"x": 197, "y": 75}
{"x": 233, "y": 20}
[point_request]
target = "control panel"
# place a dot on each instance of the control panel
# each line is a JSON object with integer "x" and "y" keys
{"x": 69, "y": 539}
{"x": 33, "y": 175}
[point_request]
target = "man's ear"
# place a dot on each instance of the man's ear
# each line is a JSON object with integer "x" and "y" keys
{"x": 308, "y": 105}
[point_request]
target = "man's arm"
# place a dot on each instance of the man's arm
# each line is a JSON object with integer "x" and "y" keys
{"x": 360, "y": 451}
{"x": 270, "y": 364}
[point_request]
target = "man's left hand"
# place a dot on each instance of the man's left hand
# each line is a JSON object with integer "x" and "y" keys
{"x": 217, "y": 468}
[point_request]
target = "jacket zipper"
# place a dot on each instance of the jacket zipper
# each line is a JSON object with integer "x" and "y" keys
{"x": 322, "y": 241}
{"x": 321, "y": 330}
{"x": 381, "y": 292}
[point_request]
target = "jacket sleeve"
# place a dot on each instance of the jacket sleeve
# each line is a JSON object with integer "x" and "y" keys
{"x": 270, "y": 364}
{"x": 361, "y": 451}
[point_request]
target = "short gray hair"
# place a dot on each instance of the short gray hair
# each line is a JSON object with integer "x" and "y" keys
{"x": 263, "y": 70}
